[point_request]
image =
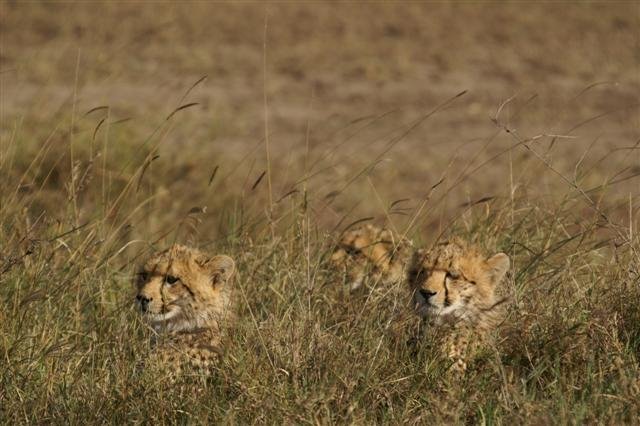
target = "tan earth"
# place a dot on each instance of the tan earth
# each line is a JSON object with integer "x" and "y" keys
{"x": 349, "y": 92}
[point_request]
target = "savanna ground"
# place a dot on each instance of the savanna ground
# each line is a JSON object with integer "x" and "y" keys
{"x": 514, "y": 125}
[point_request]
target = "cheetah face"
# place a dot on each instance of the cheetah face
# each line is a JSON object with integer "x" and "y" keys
{"x": 362, "y": 251}
{"x": 353, "y": 244}
{"x": 182, "y": 287}
{"x": 454, "y": 281}
{"x": 442, "y": 292}
{"x": 161, "y": 294}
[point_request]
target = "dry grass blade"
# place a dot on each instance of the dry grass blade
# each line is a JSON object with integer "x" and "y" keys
{"x": 180, "y": 108}
{"x": 213, "y": 175}
{"x": 257, "y": 182}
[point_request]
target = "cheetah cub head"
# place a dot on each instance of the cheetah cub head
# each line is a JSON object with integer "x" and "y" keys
{"x": 370, "y": 252}
{"x": 454, "y": 282}
{"x": 183, "y": 289}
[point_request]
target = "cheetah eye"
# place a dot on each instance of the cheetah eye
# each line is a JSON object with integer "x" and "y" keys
{"x": 171, "y": 279}
{"x": 452, "y": 275}
{"x": 351, "y": 251}
{"x": 143, "y": 276}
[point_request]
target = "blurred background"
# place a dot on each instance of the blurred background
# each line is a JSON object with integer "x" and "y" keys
{"x": 358, "y": 101}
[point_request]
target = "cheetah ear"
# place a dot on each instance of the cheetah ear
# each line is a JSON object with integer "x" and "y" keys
{"x": 386, "y": 236}
{"x": 221, "y": 268}
{"x": 498, "y": 266}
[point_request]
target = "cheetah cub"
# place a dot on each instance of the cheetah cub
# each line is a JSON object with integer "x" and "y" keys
{"x": 454, "y": 290}
{"x": 371, "y": 253}
{"x": 186, "y": 296}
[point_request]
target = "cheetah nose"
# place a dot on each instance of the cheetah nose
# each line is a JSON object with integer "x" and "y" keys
{"x": 427, "y": 294}
{"x": 144, "y": 302}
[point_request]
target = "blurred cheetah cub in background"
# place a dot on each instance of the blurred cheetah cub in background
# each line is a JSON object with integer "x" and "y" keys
{"x": 371, "y": 253}
{"x": 454, "y": 289}
{"x": 186, "y": 296}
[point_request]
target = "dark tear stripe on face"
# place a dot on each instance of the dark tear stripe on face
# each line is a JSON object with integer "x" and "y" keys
{"x": 446, "y": 293}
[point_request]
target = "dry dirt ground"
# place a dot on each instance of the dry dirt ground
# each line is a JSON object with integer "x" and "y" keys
{"x": 341, "y": 86}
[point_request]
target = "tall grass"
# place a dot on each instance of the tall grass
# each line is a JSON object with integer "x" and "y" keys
{"x": 304, "y": 349}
